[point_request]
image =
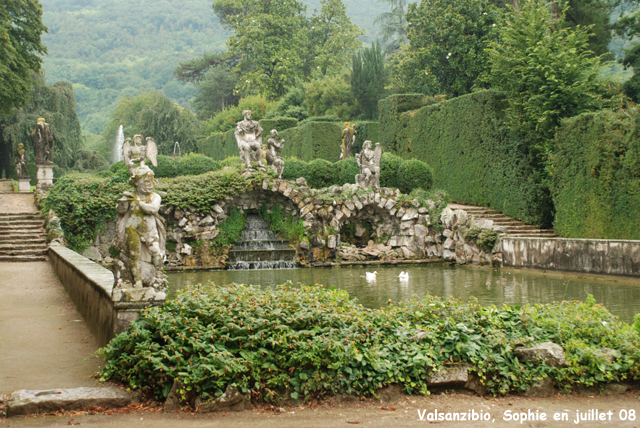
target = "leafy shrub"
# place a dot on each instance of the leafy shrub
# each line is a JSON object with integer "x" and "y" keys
{"x": 346, "y": 171}
{"x": 414, "y": 174}
{"x": 308, "y": 342}
{"x": 484, "y": 238}
{"x": 230, "y": 229}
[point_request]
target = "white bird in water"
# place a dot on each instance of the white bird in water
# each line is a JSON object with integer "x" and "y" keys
{"x": 404, "y": 276}
{"x": 371, "y": 276}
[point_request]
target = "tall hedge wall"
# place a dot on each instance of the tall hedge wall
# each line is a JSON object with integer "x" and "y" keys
{"x": 473, "y": 155}
{"x": 597, "y": 176}
{"x": 219, "y": 146}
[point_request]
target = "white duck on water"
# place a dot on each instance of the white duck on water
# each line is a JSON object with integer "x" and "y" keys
{"x": 371, "y": 276}
{"x": 404, "y": 276}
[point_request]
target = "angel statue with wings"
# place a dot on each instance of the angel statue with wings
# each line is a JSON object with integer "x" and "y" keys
{"x": 369, "y": 163}
{"x": 138, "y": 153}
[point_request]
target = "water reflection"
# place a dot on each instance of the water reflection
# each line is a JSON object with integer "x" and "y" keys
{"x": 489, "y": 286}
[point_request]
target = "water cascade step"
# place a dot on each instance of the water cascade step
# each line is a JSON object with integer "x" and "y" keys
{"x": 260, "y": 248}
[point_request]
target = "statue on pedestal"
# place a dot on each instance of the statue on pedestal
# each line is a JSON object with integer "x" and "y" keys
{"x": 42, "y": 142}
{"x": 369, "y": 163}
{"x": 348, "y": 140}
{"x": 249, "y": 137}
{"x": 21, "y": 162}
{"x": 274, "y": 148}
{"x": 141, "y": 239}
{"x": 138, "y": 153}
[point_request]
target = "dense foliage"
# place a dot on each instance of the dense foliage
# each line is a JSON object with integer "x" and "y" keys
{"x": 21, "y": 49}
{"x": 368, "y": 79}
{"x": 168, "y": 167}
{"x": 597, "y": 176}
{"x": 151, "y": 114}
{"x": 474, "y": 156}
{"x": 447, "y": 42}
{"x": 276, "y": 43}
{"x": 308, "y": 342}
{"x": 54, "y": 103}
{"x": 547, "y": 71}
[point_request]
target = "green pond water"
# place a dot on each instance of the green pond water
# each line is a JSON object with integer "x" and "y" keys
{"x": 490, "y": 286}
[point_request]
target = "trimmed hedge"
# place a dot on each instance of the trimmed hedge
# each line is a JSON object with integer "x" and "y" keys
{"x": 597, "y": 176}
{"x": 278, "y": 123}
{"x": 474, "y": 156}
{"x": 219, "y": 146}
{"x": 313, "y": 140}
{"x": 189, "y": 164}
{"x": 367, "y": 130}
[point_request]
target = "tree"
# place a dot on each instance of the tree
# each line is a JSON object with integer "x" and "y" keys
{"x": 56, "y": 104}
{"x": 331, "y": 95}
{"x": 546, "y": 68}
{"x": 368, "y": 79}
{"x": 20, "y": 51}
{"x": 333, "y": 38}
{"x": 152, "y": 114}
{"x": 270, "y": 42}
{"x": 215, "y": 91}
{"x": 447, "y": 42}
{"x": 393, "y": 26}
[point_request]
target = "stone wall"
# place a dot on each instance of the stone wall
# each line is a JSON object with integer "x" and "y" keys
{"x": 89, "y": 285}
{"x": 598, "y": 256}
{"x": 400, "y": 226}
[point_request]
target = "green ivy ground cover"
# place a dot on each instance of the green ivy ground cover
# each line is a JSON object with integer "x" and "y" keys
{"x": 307, "y": 341}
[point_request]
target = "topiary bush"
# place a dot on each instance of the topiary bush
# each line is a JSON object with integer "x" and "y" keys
{"x": 389, "y": 165}
{"x": 414, "y": 174}
{"x": 321, "y": 173}
{"x": 295, "y": 168}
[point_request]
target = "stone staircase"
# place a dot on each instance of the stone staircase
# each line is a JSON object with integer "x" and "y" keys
{"x": 515, "y": 228}
{"x": 22, "y": 237}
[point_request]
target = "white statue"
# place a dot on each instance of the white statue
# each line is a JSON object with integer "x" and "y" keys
{"x": 274, "y": 148}
{"x": 138, "y": 153}
{"x": 369, "y": 163}
{"x": 140, "y": 235}
{"x": 249, "y": 137}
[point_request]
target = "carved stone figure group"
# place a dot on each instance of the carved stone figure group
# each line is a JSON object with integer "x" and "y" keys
{"x": 249, "y": 138}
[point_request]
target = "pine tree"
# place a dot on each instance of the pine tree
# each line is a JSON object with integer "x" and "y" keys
{"x": 368, "y": 79}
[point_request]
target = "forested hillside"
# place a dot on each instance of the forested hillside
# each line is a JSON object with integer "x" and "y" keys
{"x": 114, "y": 48}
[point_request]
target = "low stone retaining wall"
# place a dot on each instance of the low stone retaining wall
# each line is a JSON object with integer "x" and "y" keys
{"x": 89, "y": 285}
{"x": 598, "y": 256}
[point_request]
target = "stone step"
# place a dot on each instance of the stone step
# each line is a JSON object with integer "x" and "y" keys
{"x": 6, "y": 246}
{"x": 17, "y": 230}
{"x": 20, "y": 214}
{"x": 17, "y": 252}
{"x": 32, "y": 237}
{"x": 25, "y": 223}
{"x": 4, "y": 258}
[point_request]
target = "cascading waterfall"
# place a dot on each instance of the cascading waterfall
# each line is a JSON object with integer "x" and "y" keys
{"x": 117, "y": 145}
{"x": 259, "y": 248}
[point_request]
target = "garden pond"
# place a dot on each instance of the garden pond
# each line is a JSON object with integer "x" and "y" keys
{"x": 489, "y": 285}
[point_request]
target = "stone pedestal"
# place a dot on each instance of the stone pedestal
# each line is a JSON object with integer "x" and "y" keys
{"x": 24, "y": 185}
{"x": 45, "y": 177}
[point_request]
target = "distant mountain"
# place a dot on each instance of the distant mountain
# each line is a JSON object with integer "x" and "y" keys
{"x": 114, "y": 48}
